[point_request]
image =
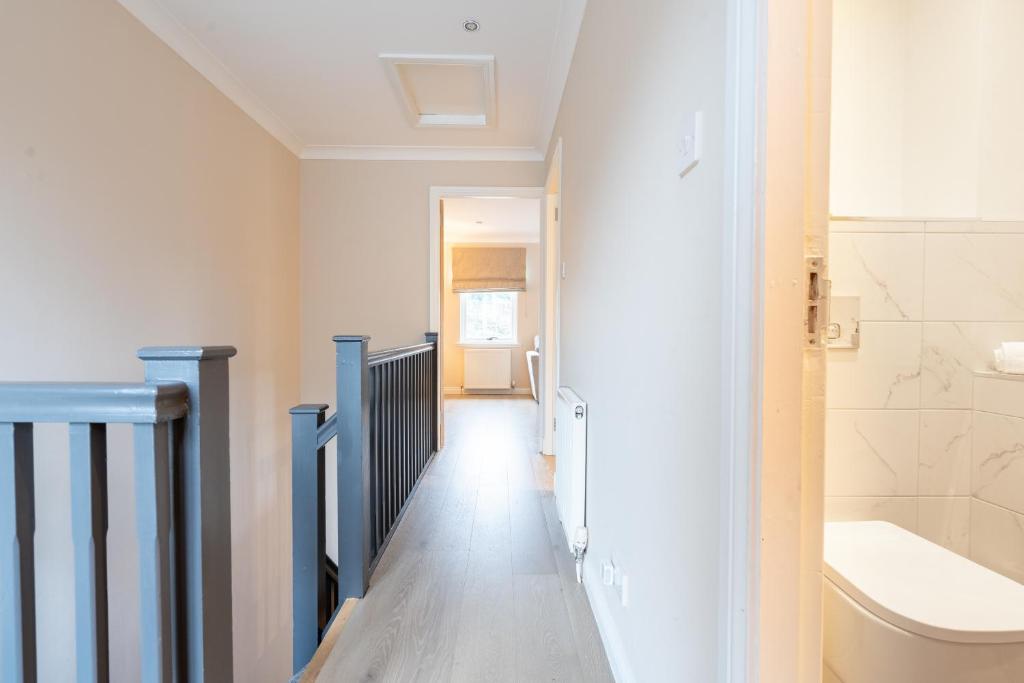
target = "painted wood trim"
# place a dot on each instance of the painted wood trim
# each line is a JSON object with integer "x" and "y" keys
{"x": 413, "y": 153}
{"x": 316, "y": 664}
{"x": 17, "y": 554}
{"x": 84, "y": 402}
{"x": 167, "y": 28}
{"x": 88, "y": 467}
{"x": 742, "y": 332}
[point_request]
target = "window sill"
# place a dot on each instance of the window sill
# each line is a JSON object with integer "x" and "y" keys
{"x": 488, "y": 345}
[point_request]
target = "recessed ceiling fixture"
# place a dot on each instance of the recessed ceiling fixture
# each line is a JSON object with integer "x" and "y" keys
{"x": 471, "y": 25}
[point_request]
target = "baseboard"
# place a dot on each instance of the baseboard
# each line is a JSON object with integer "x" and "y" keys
{"x": 312, "y": 670}
{"x": 598, "y": 594}
{"x": 456, "y": 391}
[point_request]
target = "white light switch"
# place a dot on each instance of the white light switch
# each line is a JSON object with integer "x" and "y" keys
{"x": 690, "y": 141}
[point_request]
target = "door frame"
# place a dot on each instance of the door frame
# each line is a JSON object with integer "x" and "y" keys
{"x": 743, "y": 360}
{"x": 551, "y": 250}
{"x": 435, "y": 256}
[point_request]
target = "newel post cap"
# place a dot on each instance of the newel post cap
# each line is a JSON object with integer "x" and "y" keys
{"x": 186, "y": 352}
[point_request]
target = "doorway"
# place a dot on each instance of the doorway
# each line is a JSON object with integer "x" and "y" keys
{"x": 487, "y": 285}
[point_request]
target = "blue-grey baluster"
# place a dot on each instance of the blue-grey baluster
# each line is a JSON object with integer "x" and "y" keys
{"x": 153, "y": 517}
{"x": 431, "y": 338}
{"x": 309, "y": 581}
{"x": 203, "y": 546}
{"x": 89, "y": 533}
{"x": 353, "y": 466}
{"x": 17, "y": 561}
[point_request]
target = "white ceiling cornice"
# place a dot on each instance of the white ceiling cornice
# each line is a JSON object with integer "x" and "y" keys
{"x": 155, "y": 16}
{"x": 392, "y": 153}
{"x": 569, "y": 23}
{"x": 157, "y": 19}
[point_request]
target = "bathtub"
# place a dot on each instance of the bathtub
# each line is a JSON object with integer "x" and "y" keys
{"x": 901, "y": 609}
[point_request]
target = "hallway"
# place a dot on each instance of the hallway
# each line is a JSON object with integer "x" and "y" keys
{"x": 477, "y": 584}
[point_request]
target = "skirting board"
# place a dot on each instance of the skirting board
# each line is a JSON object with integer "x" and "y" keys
{"x": 598, "y": 594}
{"x": 455, "y": 391}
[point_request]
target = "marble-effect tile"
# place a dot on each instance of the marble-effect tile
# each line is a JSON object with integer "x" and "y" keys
{"x": 997, "y": 468}
{"x": 885, "y": 271}
{"x": 885, "y": 372}
{"x": 871, "y": 452}
{"x": 944, "y": 463}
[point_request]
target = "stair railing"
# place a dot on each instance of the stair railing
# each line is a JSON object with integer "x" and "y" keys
{"x": 182, "y": 496}
{"x": 386, "y": 425}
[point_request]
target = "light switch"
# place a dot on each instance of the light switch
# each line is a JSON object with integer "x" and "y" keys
{"x": 689, "y": 145}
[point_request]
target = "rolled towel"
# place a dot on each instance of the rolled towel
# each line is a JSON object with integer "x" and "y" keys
{"x": 1010, "y": 358}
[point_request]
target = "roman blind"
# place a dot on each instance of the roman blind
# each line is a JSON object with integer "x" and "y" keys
{"x": 488, "y": 269}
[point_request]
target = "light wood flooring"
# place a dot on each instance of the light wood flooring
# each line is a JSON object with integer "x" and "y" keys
{"x": 477, "y": 584}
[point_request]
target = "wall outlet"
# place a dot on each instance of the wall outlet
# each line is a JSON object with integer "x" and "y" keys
{"x": 607, "y": 573}
{"x": 689, "y": 144}
{"x": 622, "y": 587}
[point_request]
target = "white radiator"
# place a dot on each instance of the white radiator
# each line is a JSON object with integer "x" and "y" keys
{"x": 570, "y": 462}
{"x": 487, "y": 369}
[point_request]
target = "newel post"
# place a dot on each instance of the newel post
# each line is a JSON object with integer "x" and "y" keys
{"x": 353, "y": 374}
{"x": 309, "y": 579}
{"x": 202, "y": 505}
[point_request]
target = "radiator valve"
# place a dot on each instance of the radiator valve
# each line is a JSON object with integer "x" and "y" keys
{"x": 579, "y": 548}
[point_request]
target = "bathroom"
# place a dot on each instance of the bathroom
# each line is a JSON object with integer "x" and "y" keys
{"x": 924, "y": 431}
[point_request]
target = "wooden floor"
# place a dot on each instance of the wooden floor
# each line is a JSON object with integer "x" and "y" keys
{"x": 477, "y": 584}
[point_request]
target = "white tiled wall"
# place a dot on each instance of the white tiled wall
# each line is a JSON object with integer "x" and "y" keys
{"x": 997, "y": 475}
{"x": 903, "y": 443}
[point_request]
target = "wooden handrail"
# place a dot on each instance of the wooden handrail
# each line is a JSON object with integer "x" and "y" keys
{"x": 388, "y": 355}
{"x": 183, "y": 513}
{"x": 386, "y": 426}
{"x": 92, "y": 402}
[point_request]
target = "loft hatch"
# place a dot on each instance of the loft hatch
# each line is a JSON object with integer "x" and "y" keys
{"x": 455, "y": 91}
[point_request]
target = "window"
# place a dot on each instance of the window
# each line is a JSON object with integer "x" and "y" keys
{"x": 488, "y": 317}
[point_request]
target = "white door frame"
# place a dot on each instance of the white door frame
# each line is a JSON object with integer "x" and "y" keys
{"x": 437, "y": 193}
{"x": 551, "y": 245}
{"x": 742, "y": 339}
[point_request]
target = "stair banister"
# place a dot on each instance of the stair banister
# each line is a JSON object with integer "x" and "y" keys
{"x": 179, "y": 417}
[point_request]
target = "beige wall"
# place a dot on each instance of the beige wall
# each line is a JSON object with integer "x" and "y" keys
{"x": 139, "y": 206}
{"x": 640, "y": 321}
{"x": 365, "y": 259}
{"x": 528, "y": 323}
{"x": 365, "y": 232}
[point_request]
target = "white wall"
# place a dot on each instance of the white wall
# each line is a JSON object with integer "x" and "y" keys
{"x": 927, "y": 101}
{"x": 936, "y": 295}
{"x": 528, "y": 324}
{"x": 139, "y": 206}
{"x": 936, "y": 298}
{"x": 640, "y": 323}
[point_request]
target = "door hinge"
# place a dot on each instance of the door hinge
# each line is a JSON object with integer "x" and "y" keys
{"x": 818, "y": 290}
{"x": 554, "y": 424}
{"x": 556, "y": 214}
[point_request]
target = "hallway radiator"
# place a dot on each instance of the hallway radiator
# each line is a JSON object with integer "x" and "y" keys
{"x": 571, "y": 462}
{"x": 487, "y": 370}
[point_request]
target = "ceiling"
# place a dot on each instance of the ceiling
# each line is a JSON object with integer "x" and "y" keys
{"x": 512, "y": 220}
{"x": 309, "y": 71}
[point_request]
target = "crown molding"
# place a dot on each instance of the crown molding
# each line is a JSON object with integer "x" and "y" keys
{"x": 570, "y": 20}
{"x": 162, "y": 23}
{"x": 395, "y": 153}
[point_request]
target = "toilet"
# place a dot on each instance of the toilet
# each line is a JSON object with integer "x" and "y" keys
{"x": 901, "y": 609}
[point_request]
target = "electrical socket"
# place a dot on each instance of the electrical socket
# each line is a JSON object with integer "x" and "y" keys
{"x": 607, "y": 573}
{"x": 622, "y": 587}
